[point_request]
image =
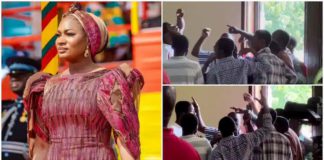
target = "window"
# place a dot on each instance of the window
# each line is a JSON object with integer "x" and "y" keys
{"x": 289, "y": 16}
{"x": 279, "y": 95}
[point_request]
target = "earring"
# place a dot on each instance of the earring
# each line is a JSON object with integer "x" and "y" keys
{"x": 86, "y": 53}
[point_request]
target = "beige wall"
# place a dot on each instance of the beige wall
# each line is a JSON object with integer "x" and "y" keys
{"x": 215, "y": 15}
{"x": 214, "y": 101}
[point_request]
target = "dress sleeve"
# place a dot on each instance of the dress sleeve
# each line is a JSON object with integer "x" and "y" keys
{"x": 33, "y": 99}
{"x": 116, "y": 102}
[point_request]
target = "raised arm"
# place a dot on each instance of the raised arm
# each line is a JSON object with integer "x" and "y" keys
{"x": 235, "y": 30}
{"x": 180, "y": 21}
{"x": 197, "y": 47}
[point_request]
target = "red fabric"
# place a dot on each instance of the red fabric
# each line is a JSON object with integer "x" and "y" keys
{"x": 166, "y": 79}
{"x": 295, "y": 144}
{"x": 175, "y": 148}
{"x": 79, "y": 112}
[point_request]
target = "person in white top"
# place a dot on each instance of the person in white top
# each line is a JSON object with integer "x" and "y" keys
{"x": 189, "y": 124}
{"x": 169, "y": 31}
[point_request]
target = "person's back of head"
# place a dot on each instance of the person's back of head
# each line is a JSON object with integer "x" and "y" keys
{"x": 292, "y": 44}
{"x": 224, "y": 47}
{"x": 274, "y": 47}
{"x": 281, "y": 37}
{"x": 261, "y": 39}
{"x": 189, "y": 124}
{"x": 180, "y": 45}
{"x": 227, "y": 126}
{"x": 281, "y": 124}
{"x": 259, "y": 121}
{"x": 183, "y": 107}
{"x": 169, "y": 96}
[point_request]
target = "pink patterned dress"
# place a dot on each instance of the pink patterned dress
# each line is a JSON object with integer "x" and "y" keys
{"x": 76, "y": 114}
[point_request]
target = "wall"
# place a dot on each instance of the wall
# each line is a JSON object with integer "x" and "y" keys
{"x": 215, "y": 15}
{"x": 214, "y": 102}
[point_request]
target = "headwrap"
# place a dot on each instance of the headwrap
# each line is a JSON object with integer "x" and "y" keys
{"x": 94, "y": 27}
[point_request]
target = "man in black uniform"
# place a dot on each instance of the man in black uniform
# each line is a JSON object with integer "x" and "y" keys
{"x": 14, "y": 118}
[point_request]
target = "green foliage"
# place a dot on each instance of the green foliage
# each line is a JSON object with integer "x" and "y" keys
{"x": 289, "y": 16}
{"x": 282, "y": 94}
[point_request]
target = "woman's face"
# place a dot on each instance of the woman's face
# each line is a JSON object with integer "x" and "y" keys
{"x": 71, "y": 41}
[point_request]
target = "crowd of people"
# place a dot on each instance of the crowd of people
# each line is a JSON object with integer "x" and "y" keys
{"x": 267, "y": 59}
{"x": 251, "y": 133}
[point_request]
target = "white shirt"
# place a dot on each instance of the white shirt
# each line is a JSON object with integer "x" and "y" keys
{"x": 201, "y": 145}
{"x": 168, "y": 51}
{"x": 177, "y": 129}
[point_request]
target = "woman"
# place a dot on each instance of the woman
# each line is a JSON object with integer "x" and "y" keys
{"x": 72, "y": 114}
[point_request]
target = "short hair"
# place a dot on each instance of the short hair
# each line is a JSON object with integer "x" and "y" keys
{"x": 281, "y": 124}
{"x": 233, "y": 116}
{"x": 169, "y": 96}
{"x": 182, "y": 107}
{"x": 165, "y": 27}
{"x": 292, "y": 42}
{"x": 226, "y": 126}
{"x": 274, "y": 47}
{"x": 281, "y": 37}
{"x": 263, "y": 35}
{"x": 180, "y": 44}
{"x": 189, "y": 123}
{"x": 226, "y": 45}
{"x": 273, "y": 115}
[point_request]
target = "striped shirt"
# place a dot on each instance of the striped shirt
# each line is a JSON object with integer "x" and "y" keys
{"x": 278, "y": 73}
{"x": 274, "y": 146}
{"x": 241, "y": 147}
{"x": 231, "y": 71}
{"x": 182, "y": 70}
{"x": 203, "y": 56}
{"x": 201, "y": 145}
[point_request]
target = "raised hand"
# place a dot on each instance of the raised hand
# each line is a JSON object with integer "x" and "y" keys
{"x": 247, "y": 97}
{"x": 180, "y": 12}
{"x": 232, "y": 29}
{"x": 237, "y": 110}
{"x": 205, "y": 32}
{"x": 195, "y": 105}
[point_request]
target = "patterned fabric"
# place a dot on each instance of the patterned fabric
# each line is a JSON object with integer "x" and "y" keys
{"x": 182, "y": 70}
{"x": 210, "y": 132}
{"x": 95, "y": 29}
{"x": 241, "y": 147}
{"x": 201, "y": 145}
{"x": 203, "y": 56}
{"x": 295, "y": 144}
{"x": 278, "y": 73}
{"x": 232, "y": 71}
{"x": 274, "y": 146}
{"x": 76, "y": 114}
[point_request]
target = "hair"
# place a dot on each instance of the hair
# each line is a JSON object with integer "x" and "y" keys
{"x": 180, "y": 44}
{"x": 292, "y": 42}
{"x": 281, "y": 124}
{"x": 226, "y": 126}
{"x": 165, "y": 27}
{"x": 233, "y": 116}
{"x": 263, "y": 35}
{"x": 226, "y": 45}
{"x": 182, "y": 107}
{"x": 189, "y": 123}
{"x": 281, "y": 37}
{"x": 274, "y": 47}
{"x": 169, "y": 96}
{"x": 273, "y": 114}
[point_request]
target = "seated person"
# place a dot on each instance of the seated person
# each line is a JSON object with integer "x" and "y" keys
{"x": 281, "y": 37}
